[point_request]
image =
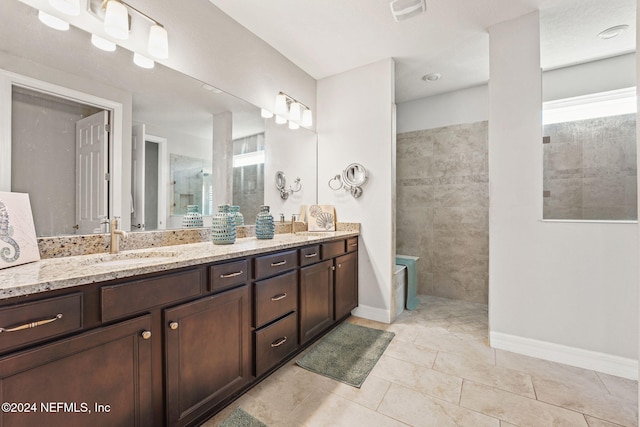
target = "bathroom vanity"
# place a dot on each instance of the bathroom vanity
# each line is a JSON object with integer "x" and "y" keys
{"x": 164, "y": 336}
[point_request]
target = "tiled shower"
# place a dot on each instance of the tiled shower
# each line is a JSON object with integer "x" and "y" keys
{"x": 442, "y": 211}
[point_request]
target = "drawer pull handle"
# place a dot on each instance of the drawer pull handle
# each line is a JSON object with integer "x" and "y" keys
{"x": 277, "y": 264}
{"x": 279, "y": 342}
{"x": 145, "y": 335}
{"x": 226, "y": 276}
{"x": 311, "y": 255}
{"x": 173, "y": 325}
{"x": 279, "y": 297}
{"x": 353, "y": 244}
{"x": 31, "y": 324}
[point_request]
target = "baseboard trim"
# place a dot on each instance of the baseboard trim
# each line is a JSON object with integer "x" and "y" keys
{"x": 372, "y": 313}
{"x": 587, "y": 359}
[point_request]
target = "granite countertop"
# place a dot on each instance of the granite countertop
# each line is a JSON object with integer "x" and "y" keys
{"x": 61, "y": 273}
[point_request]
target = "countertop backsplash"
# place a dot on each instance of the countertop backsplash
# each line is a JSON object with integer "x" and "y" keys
{"x": 63, "y": 246}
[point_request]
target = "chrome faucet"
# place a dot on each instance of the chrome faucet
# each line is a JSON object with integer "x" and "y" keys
{"x": 115, "y": 236}
{"x": 293, "y": 223}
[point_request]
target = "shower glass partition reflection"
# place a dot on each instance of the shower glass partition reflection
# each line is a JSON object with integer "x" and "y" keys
{"x": 248, "y": 174}
{"x": 191, "y": 183}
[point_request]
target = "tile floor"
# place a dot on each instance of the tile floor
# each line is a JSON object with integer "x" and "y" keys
{"x": 439, "y": 371}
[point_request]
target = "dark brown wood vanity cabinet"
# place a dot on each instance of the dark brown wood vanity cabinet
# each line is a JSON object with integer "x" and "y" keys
{"x": 346, "y": 280}
{"x": 102, "y": 377}
{"x": 168, "y": 348}
{"x": 208, "y": 345}
{"x": 275, "y": 309}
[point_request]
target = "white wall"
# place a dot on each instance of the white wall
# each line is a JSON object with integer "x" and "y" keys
{"x": 294, "y": 153}
{"x": 561, "y": 291}
{"x": 356, "y": 124}
{"x": 451, "y": 108}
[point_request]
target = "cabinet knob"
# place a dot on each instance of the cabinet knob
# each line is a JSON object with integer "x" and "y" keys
{"x": 339, "y": 265}
{"x": 333, "y": 268}
{"x": 145, "y": 335}
{"x": 173, "y": 325}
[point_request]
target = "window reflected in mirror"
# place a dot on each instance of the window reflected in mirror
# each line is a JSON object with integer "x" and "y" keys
{"x": 590, "y": 168}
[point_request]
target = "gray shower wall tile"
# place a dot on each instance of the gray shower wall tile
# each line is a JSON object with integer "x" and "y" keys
{"x": 443, "y": 208}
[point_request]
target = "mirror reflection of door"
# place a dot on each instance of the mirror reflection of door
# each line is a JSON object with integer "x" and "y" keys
{"x": 148, "y": 169}
{"x": 43, "y": 141}
{"x": 92, "y": 172}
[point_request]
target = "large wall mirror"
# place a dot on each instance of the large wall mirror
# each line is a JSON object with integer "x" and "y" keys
{"x": 589, "y": 111}
{"x": 60, "y": 93}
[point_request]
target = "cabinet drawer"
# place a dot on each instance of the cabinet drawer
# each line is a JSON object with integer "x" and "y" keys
{"x": 352, "y": 244}
{"x": 275, "y": 342}
{"x": 275, "y": 297}
{"x": 134, "y": 297}
{"x": 309, "y": 255}
{"x": 269, "y": 265}
{"x": 332, "y": 249}
{"x": 226, "y": 275}
{"x": 35, "y": 321}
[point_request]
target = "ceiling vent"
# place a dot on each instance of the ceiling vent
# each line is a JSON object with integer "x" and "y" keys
{"x": 405, "y": 9}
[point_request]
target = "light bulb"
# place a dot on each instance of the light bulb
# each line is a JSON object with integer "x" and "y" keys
{"x": 295, "y": 112}
{"x": 103, "y": 44}
{"x": 69, "y": 7}
{"x": 53, "y": 21}
{"x": 307, "y": 118}
{"x": 281, "y": 105}
{"x": 158, "y": 44}
{"x": 293, "y": 125}
{"x": 280, "y": 120}
{"x": 116, "y": 20}
{"x": 142, "y": 61}
{"x": 265, "y": 114}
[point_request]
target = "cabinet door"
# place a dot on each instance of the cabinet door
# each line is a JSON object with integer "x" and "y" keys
{"x": 346, "y": 284}
{"x": 208, "y": 353}
{"x": 316, "y": 299}
{"x": 99, "y": 378}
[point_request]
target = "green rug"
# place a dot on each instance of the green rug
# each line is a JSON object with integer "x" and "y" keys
{"x": 239, "y": 418}
{"x": 347, "y": 354}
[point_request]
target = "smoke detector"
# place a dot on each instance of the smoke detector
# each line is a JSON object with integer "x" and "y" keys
{"x": 405, "y": 9}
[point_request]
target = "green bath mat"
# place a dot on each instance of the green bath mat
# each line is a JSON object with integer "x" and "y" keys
{"x": 239, "y": 418}
{"x": 347, "y": 354}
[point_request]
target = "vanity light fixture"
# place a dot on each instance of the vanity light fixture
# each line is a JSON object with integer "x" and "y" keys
{"x": 117, "y": 24}
{"x": 68, "y": 7}
{"x": 53, "y": 21}
{"x": 116, "y": 20}
{"x": 101, "y": 43}
{"x": 288, "y": 108}
{"x": 142, "y": 61}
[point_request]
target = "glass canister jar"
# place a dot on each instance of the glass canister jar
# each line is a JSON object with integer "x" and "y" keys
{"x": 265, "y": 227}
{"x": 223, "y": 226}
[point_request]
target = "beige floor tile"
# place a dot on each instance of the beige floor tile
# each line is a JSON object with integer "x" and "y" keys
{"x": 620, "y": 387}
{"x": 595, "y": 422}
{"x": 324, "y": 409}
{"x": 449, "y": 343}
{"x": 516, "y": 409}
{"x": 282, "y": 391}
{"x": 417, "y": 409}
{"x": 506, "y": 424}
{"x": 369, "y": 395}
{"x": 587, "y": 401}
{"x": 419, "y": 378}
{"x": 477, "y": 371}
{"x": 469, "y": 331}
{"x": 410, "y": 352}
{"x": 538, "y": 368}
